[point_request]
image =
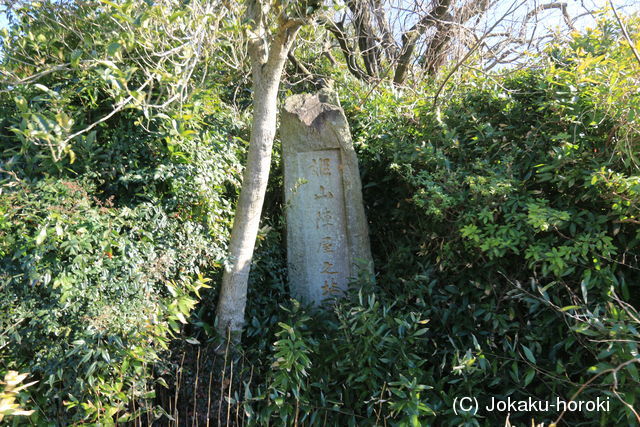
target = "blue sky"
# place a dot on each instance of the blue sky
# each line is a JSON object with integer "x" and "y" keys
{"x": 546, "y": 22}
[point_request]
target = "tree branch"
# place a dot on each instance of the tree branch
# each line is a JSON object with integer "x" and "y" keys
{"x": 555, "y": 5}
{"x": 468, "y": 54}
{"x": 119, "y": 107}
{"x": 410, "y": 38}
{"x": 337, "y": 30}
{"x": 317, "y": 81}
{"x": 624, "y": 31}
{"x": 366, "y": 36}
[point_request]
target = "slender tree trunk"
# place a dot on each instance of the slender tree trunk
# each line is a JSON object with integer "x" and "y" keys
{"x": 366, "y": 35}
{"x": 436, "y": 53}
{"x": 267, "y": 63}
{"x": 337, "y": 30}
{"x": 411, "y": 37}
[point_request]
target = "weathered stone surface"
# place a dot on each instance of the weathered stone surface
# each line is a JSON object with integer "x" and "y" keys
{"x": 327, "y": 233}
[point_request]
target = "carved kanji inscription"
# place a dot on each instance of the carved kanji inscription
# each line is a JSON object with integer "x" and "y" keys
{"x": 327, "y": 239}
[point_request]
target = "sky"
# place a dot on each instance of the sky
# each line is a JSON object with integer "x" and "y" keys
{"x": 552, "y": 17}
{"x": 545, "y": 22}
{"x": 405, "y": 13}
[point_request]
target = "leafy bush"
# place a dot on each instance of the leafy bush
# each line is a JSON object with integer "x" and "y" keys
{"x": 111, "y": 211}
{"x": 504, "y": 230}
{"x": 349, "y": 367}
{"x": 89, "y": 291}
{"x": 519, "y": 200}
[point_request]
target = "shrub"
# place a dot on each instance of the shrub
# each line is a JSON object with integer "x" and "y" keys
{"x": 504, "y": 229}
{"x": 90, "y": 291}
{"x": 518, "y": 200}
{"x": 106, "y": 235}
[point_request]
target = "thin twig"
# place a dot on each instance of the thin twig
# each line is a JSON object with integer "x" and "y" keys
{"x": 107, "y": 117}
{"x": 624, "y": 31}
{"x": 468, "y": 54}
{"x": 229, "y": 394}
{"x": 599, "y": 374}
{"x": 194, "y": 420}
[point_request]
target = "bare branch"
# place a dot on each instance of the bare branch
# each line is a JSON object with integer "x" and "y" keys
{"x": 119, "y": 107}
{"x": 439, "y": 14}
{"x": 367, "y": 39}
{"x": 16, "y": 82}
{"x": 478, "y": 43}
{"x": 624, "y": 31}
{"x": 548, "y": 6}
{"x": 337, "y": 29}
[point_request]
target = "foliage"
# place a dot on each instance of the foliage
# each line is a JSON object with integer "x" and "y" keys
{"x": 89, "y": 290}
{"x": 518, "y": 199}
{"x": 504, "y": 229}
{"x": 359, "y": 363}
{"x": 9, "y": 394}
{"x": 112, "y": 209}
{"x": 66, "y": 60}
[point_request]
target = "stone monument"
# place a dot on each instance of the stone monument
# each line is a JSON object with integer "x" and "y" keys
{"x": 327, "y": 233}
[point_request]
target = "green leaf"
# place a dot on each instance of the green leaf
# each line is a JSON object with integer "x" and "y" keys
{"x": 113, "y": 48}
{"x": 528, "y": 353}
{"x": 112, "y": 4}
{"x": 21, "y": 103}
{"x": 75, "y": 57}
{"x": 181, "y": 317}
{"x": 44, "y": 89}
{"x": 529, "y": 376}
{"x": 420, "y": 332}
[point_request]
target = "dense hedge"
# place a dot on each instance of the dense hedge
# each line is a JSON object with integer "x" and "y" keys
{"x": 106, "y": 238}
{"x": 504, "y": 228}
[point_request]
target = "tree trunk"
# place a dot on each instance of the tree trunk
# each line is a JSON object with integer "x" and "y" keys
{"x": 411, "y": 37}
{"x": 366, "y": 35}
{"x": 267, "y": 68}
{"x": 338, "y": 31}
{"x": 436, "y": 52}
